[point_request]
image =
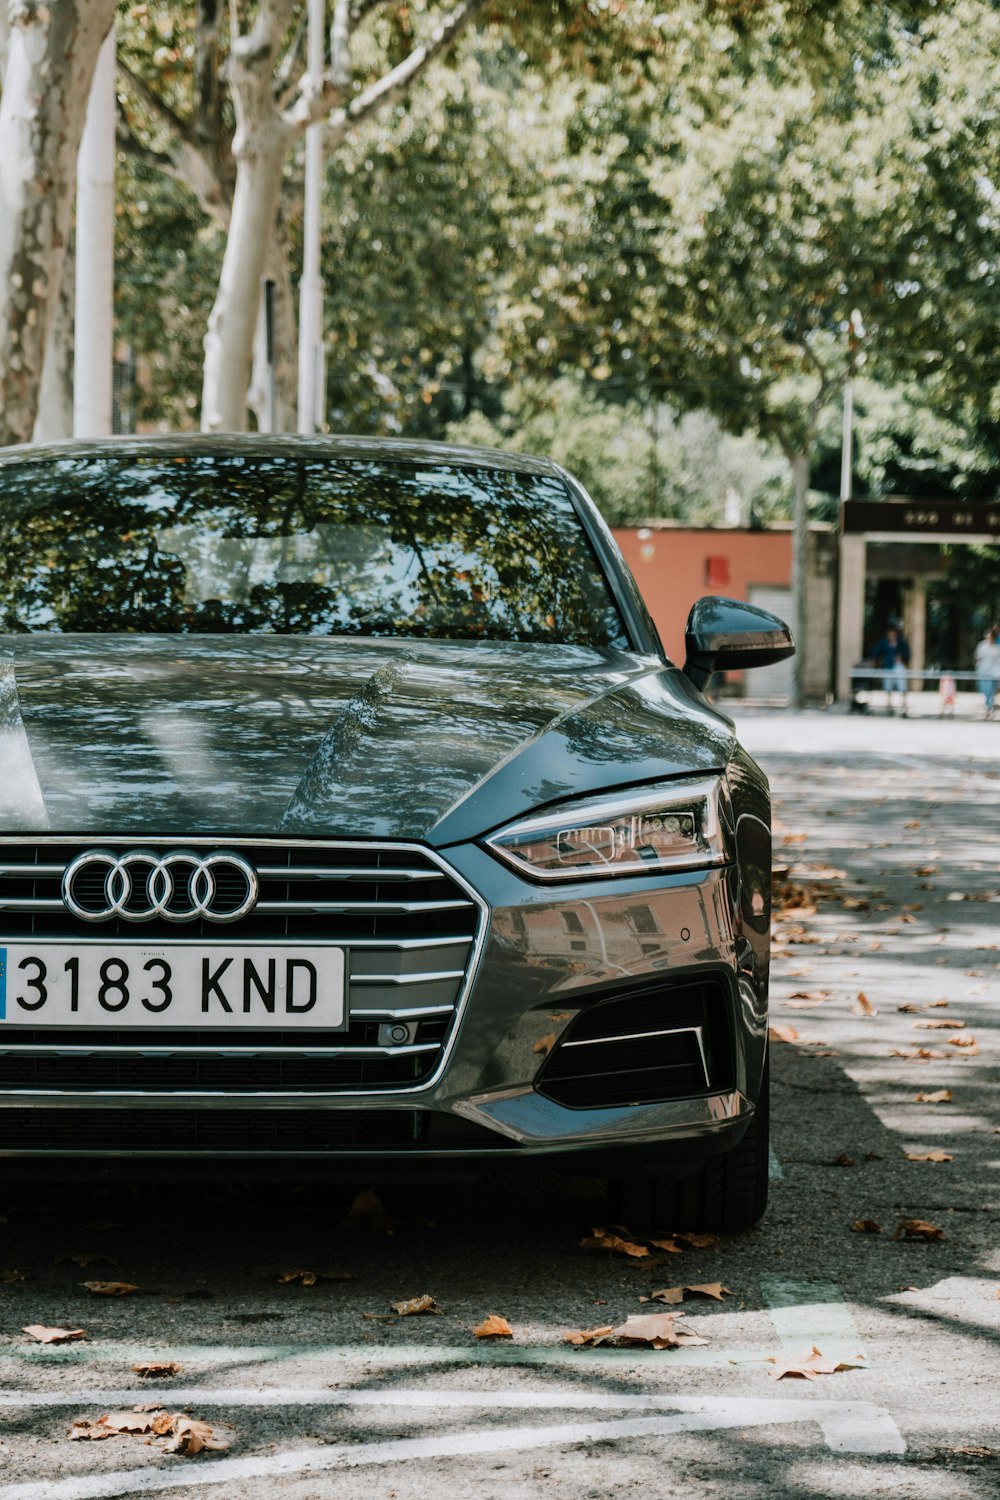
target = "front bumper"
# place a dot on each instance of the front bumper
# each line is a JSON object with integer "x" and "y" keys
{"x": 545, "y": 959}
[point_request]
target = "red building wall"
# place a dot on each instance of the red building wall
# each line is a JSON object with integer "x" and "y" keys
{"x": 674, "y": 566}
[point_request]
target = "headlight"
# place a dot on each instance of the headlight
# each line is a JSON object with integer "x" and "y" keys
{"x": 675, "y": 826}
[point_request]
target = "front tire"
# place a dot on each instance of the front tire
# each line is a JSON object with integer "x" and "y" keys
{"x": 726, "y": 1194}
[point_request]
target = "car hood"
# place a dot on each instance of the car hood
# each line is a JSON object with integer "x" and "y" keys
{"x": 263, "y": 736}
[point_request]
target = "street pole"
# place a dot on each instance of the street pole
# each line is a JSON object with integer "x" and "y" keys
{"x": 93, "y": 360}
{"x": 855, "y": 333}
{"x": 847, "y": 441}
{"x": 311, "y": 286}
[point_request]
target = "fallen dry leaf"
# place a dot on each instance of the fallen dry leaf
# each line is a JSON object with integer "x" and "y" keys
{"x": 929, "y": 1156}
{"x": 673, "y": 1295}
{"x": 917, "y": 1229}
{"x": 921, "y": 1054}
{"x": 863, "y": 1006}
{"x": 854, "y": 903}
{"x": 782, "y": 1034}
{"x": 866, "y": 1226}
{"x": 966, "y": 1043}
{"x": 310, "y": 1278}
{"x": 809, "y": 1365}
{"x": 93, "y": 1431}
{"x": 110, "y": 1288}
{"x": 940, "y": 1096}
{"x": 157, "y": 1369}
{"x": 412, "y": 1305}
{"x": 192, "y": 1436}
{"x": 925, "y": 870}
{"x": 137, "y": 1420}
{"x": 694, "y": 1241}
{"x": 493, "y": 1327}
{"x": 545, "y": 1043}
{"x": 11, "y": 1276}
{"x": 610, "y": 1239}
{"x": 366, "y": 1212}
{"x": 656, "y": 1329}
{"x": 813, "y": 996}
{"x": 939, "y": 1025}
{"x": 581, "y": 1336}
{"x": 53, "y": 1335}
{"x": 185, "y": 1434}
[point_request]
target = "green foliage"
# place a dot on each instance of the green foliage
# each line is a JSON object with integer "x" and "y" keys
{"x": 675, "y": 207}
{"x": 415, "y": 235}
{"x": 637, "y": 463}
{"x": 710, "y": 234}
{"x": 167, "y": 261}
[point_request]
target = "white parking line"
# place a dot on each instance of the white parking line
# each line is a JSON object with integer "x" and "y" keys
{"x": 390, "y": 1355}
{"x": 847, "y": 1427}
{"x": 812, "y": 1312}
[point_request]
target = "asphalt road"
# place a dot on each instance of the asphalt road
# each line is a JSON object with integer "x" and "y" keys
{"x": 891, "y": 835}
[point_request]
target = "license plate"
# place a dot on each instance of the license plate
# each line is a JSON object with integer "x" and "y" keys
{"x": 174, "y": 984}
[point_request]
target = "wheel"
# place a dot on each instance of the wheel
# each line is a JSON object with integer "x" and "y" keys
{"x": 727, "y": 1193}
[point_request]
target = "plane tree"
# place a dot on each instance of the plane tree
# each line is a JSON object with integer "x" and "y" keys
{"x": 747, "y": 257}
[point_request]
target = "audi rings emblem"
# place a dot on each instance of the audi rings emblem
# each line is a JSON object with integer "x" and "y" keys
{"x": 139, "y": 885}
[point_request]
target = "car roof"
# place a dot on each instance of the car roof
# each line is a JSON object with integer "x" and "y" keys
{"x": 392, "y": 450}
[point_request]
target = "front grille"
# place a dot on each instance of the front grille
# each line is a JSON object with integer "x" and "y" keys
{"x": 668, "y": 1043}
{"x": 409, "y": 928}
{"x": 166, "y": 1131}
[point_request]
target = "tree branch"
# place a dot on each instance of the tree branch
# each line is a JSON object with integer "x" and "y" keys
{"x": 132, "y": 146}
{"x": 155, "y": 104}
{"x": 207, "y": 110}
{"x": 392, "y": 86}
{"x": 285, "y": 90}
{"x": 819, "y": 400}
{"x": 340, "y": 45}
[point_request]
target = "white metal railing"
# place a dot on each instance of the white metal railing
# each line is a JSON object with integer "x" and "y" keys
{"x": 875, "y": 675}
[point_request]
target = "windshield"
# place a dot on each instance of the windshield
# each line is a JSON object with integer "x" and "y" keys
{"x": 288, "y": 544}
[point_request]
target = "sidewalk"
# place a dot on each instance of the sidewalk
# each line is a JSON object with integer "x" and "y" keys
{"x": 852, "y": 739}
{"x": 874, "y": 704}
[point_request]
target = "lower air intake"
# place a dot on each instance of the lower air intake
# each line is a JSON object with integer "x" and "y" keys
{"x": 669, "y": 1043}
{"x": 162, "y": 1132}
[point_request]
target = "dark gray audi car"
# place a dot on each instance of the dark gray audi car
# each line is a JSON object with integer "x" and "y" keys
{"x": 352, "y": 820}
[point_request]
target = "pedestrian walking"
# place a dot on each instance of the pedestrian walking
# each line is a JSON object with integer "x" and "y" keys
{"x": 948, "y": 689}
{"x": 892, "y": 655}
{"x": 987, "y": 667}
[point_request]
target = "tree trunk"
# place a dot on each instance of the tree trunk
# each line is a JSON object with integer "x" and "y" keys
{"x": 260, "y": 146}
{"x": 800, "y": 574}
{"x": 54, "y": 422}
{"x": 278, "y": 269}
{"x": 52, "y": 51}
{"x": 233, "y": 319}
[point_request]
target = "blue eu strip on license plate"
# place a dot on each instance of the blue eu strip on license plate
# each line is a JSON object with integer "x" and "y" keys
{"x": 3, "y": 984}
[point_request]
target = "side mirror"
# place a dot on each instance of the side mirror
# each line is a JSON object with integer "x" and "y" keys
{"x": 726, "y": 635}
